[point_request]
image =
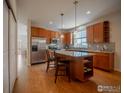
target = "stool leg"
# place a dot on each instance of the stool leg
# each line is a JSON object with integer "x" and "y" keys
{"x": 69, "y": 76}
{"x": 56, "y": 73}
{"x": 47, "y": 66}
{"x": 69, "y": 79}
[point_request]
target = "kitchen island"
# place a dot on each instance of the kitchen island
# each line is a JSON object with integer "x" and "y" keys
{"x": 81, "y": 63}
{"x": 103, "y": 60}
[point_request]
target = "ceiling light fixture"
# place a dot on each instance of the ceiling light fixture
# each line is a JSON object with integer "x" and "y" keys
{"x": 88, "y": 12}
{"x": 75, "y": 3}
{"x": 50, "y": 22}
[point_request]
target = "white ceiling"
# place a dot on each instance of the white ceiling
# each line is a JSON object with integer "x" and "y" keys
{"x": 41, "y": 12}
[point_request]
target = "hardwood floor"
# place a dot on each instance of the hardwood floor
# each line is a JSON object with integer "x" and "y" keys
{"x": 34, "y": 79}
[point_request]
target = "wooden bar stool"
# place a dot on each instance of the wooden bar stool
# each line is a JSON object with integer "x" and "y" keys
{"x": 50, "y": 61}
{"x": 62, "y": 65}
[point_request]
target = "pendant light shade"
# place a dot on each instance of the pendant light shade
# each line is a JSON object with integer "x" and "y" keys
{"x": 61, "y": 35}
{"x": 75, "y": 3}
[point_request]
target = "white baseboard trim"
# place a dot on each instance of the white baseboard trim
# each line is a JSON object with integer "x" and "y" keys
{"x": 117, "y": 70}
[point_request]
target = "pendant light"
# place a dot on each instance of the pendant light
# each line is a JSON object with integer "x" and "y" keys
{"x": 75, "y": 3}
{"x": 61, "y": 35}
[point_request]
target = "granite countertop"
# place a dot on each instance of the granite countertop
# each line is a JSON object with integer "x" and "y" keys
{"x": 92, "y": 51}
{"x": 74, "y": 53}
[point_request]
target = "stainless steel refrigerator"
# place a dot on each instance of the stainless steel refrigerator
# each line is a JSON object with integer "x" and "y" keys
{"x": 38, "y": 54}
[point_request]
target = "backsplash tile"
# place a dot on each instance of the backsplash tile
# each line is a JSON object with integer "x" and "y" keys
{"x": 110, "y": 47}
{"x": 102, "y": 46}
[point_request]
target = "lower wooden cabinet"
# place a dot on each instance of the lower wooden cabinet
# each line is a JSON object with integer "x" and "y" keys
{"x": 104, "y": 61}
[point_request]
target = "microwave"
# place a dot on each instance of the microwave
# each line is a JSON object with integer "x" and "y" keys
{"x": 55, "y": 41}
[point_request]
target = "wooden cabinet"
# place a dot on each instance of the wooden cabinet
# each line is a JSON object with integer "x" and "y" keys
{"x": 53, "y": 34}
{"x": 81, "y": 68}
{"x": 98, "y": 33}
{"x": 67, "y": 38}
{"x": 104, "y": 61}
{"x": 90, "y": 36}
{"x": 40, "y": 32}
{"x": 34, "y": 32}
{"x": 57, "y": 34}
{"x": 48, "y": 36}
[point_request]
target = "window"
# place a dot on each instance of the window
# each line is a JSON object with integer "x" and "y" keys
{"x": 80, "y": 39}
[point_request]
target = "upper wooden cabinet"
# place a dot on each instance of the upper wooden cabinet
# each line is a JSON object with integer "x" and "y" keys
{"x": 34, "y": 32}
{"x": 98, "y": 32}
{"x": 53, "y": 34}
{"x": 40, "y": 32}
{"x": 67, "y": 38}
{"x": 90, "y": 34}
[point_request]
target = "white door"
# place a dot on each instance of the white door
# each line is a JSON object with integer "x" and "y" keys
{"x": 12, "y": 50}
{"x": 5, "y": 50}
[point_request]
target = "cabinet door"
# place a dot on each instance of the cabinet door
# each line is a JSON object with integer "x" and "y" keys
{"x": 104, "y": 61}
{"x": 34, "y": 32}
{"x": 42, "y": 33}
{"x": 101, "y": 60}
{"x": 95, "y": 61}
{"x": 98, "y": 32}
{"x": 68, "y": 38}
{"x": 90, "y": 34}
{"x": 47, "y": 35}
{"x": 53, "y": 34}
{"x": 65, "y": 38}
{"x": 57, "y": 34}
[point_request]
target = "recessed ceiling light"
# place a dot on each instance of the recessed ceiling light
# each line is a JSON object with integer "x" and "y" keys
{"x": 88, "y": 12}
{"x": 50, "y": 22}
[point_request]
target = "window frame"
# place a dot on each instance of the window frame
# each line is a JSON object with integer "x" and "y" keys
{"x": 82, "y": 37}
